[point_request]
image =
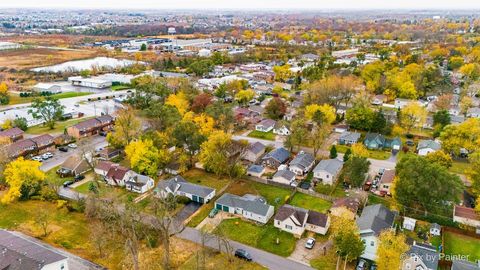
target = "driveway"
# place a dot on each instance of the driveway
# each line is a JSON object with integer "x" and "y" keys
{"x": 187, "y": 211}
{"x": 304, "y": 255}
{"x": 211, "y": 223}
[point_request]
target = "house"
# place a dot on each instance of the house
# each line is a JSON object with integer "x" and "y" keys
{"x": 90, "y": 127}
{"x": 74, "y": 165}
{"x": 281, "y": 130}
{"x": 296, "y": 220}
{"x": 44, "y": 143}
{"x": 340, "y": 128}
{"x": 409, "y": 223}
{"x": 266, "y": 125}
{"x": 36, "y": 145}
{"x": 302, "y": 163}
{"x": 435, "y": 229}
{"x": 117, "y": 175}
{"x": 400, "y": 103}
{"x": 379, "y": 100}
{"x": 466, "y": 216}
{"x": 256, "y": 170}
{"x": 374, "y": 141}
{"x": 109, "y": 153}
{"x": 473, "y": 112}
{"x": 276, "y": 157}
{"x": 328, "y": 170}
{"x": 309, "y": 57}
{"x": 20, "y": 252}
{"x": 284, "y": 177}
{"x": 464, "y": 265}
{"x": 254, "y": 151}
{"x": 349, "y": 138}
{"x": 248, "y": 206}
{"x": 139, "y": 183}
{"x": 47, "y": 87}
{"x": 173, "y": 167}
{"x": 11, "y": 134}
{"x": 103, "y": 167}
{"x": 420, "y": 257}
{"x": 386, "y": 181}
{"x": 178, "y": 186}
{"x": 426, "y": 147}
{"x": 374, "y": 219}
{"x": 346, "y": 206}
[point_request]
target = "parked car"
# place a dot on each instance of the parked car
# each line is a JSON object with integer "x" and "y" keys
{"x": 103, "y": 133}
{"x": 67, "y": 183}
{"x": 63, "y": 149}
{"x": 47, "y": 155}
{"x": 373, "y": 267}
{"x": 79, "y": 177}
{"x": 213, "y": 213}
{"x": 243, "y": 254}
{"x": 310, "y": 243}
{"x": 362, "y": 264}
{"x": 72, "y": 145}
{"x": 37, "y": 158}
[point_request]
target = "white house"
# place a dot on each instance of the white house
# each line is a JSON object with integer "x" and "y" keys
{"x": 266, "y": 125}
{"x": 256, "y": 170}
{"x": 249, "y": 206}
{"x": 435, "y": 229}
{"x": 296, "y": 220}
{"x": 254, "y": 151}
{"x": 328, "y": 170}
{"x": 302, "y": 163}
{"x": 103, "y": 167}
{"x": 178, "y": 186}
{"x": 117, "y": 175}
{"x": 281, "y": 130}
{"x": 47, "y": 87}
{"x": 284, "y": 177}
{"x": 409, "y": 223}
{"x": 426, "y": 147}
{"x": 139, "y": 183}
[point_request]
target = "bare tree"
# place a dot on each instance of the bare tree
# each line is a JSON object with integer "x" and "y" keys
{"x": 42, "y": 219}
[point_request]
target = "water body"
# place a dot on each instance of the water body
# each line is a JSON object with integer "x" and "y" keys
{"x": 79, "y": 65}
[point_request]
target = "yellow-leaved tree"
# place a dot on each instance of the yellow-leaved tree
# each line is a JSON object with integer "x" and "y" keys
{"x": 413, "y": 115}
{"x": 359, "y": 150}
{"x": 178, "y": 101}
{"x": 391, "y": 247}
{"x": 244, "y": 96}
{"x": 145, "y": 158}
{"x": 127, "y": 128}
{"x": 23, "y": 178}
{"x": 324, "y": 113}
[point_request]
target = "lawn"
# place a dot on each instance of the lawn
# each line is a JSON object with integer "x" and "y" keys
{"x": 457, "y": 244}
{"x": 16, "y": 99}
{"x": 460, "y": 167}
{"x": 374, "y": 154}
{"x": 200, "y": 177}
{"x": 310, "y": 202}
{"x": 121, "y": 87}
{"x": 331, "y": 190}
{"x": 262, "y": 135}
{"x": 200, "y": 215}
{"x": 54, "y": 178}
{"x": 374, "y": 199}
{"x": 263, "y": 237}
{"x": 109, "y": 191}
{"x": 59, "y": 126}
{"x": 274, "y": 195}
{"x": 328, "y": 261}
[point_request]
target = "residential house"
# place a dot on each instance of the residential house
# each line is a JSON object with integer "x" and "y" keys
{"x": 435, "y": 229}
{"x": 109, "y": 153}
{"x": 400, "y": 103}
{"x": 12, "y": 134}
{"x": 178, "y": 186}
{"x": 379, "y": 100}
{"x": 426, "y": 147}
{"x": 377, "y": 141}
{"x": 36, "y": 145}
{"x": 281, "y": 129}
{"x": 254, "y": 151}
{"x": 340, "y": 128}
{"x": 284, "y": 177}
{"x": 421, "y": 257}
{"x": 248, "y": 206}
{"x": 302, "y": 163}
{"x": 256, "y": 170}
{"x": 139, "y": 183}
{"x": 349, "y": 138}
{"x": 474, "y": 112}
{"x": 464, "y": 265}
{"x": 374, "y": 219}
{"x": 266, "y": 125}
{"x": 20, "y": 252}
{"x": 74, "y": 165}
{"x": 296, "y": 220}
{"x": 345, "y": 206}
{"x": 386, "y": 181}
{"x": 44, "y": 143}
{"x": 103, "y": 167}
{"x": 310, "y": 57}
{"x": 328, "y": 170}
{"x": 409, "y": 223}
{"x": 276, "y": 157}
{"x": 466, "y": 216}
{"x": 118, "y": 175}
{"x": 90, "y": 127}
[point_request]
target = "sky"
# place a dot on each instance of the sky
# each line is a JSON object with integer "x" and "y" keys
{"x": 244, "y": 4}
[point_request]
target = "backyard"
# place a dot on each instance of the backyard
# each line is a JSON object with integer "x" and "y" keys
{"x": 262, "y": 135}
{"x": 374, "y": 154}
{"x": 200, "y": 177}
{"x": 274, "y": 195}
{"x": 458, "y": 244}
{"x": 263, "y": 237}
{"x": 310, "y": 202}
{"x": 60, "y": 126}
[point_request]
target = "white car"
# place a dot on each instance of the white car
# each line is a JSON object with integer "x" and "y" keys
{"x": 37, "y": 158}
{"x": 310, "y": 243}
{"x": 47, "y": 155}
{"x": 72, "y": 145}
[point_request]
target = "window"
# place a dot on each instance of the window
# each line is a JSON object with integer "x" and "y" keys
{"x": 278, "y": 222}
{"x": 288, "y": 227}
{"x": 372, "y": 243}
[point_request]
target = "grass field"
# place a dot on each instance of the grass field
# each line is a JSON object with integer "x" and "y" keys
{"x": 310, "y": 202}
{"x": 59, "y": 126}
{"x": 375, "y": 154}
{"x": 460, "y": 167}
{"x": 16, "y": 99}
{"x": 200, "y": 177}
{"x": 109, "y": 191}
{"x": 457, "y": 244}
{"x": 374, "y": 199}
{"x": 271, "y": 193}
{"x": 121, "y": 87}
{"x": 262, "y": 135}
{"x": 332, "y": 190}
{"x": 263, "y": 237}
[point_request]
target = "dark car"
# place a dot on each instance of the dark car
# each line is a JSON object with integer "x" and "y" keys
{"x": 79, "y": 177}
{"x": 67, "y": 183}
{"x": 243, "y": 254}
{"x": 103, "y": 133}
{"x": 63, "y": 149}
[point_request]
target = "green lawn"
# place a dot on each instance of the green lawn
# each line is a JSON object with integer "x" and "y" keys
{"x": 331, "y": 190}
{"x": 374, "y": 199}
{"x": 109, "y": 191}
{"x": 457, "y": 244}
{"x": 262, "y": 135}
{"x": 59, "y": 126}
{"x": 200, "y": 177}
{"x": 200, "y": 215}
{"x": 83, "y": 188}
{"x": 328, "y": 261}
{"x": 263, "y": 237}
{"x": 460, "y": 167}
{"x": 374, "y": 154}
{"x": 54, "y": 178}
{"x": 16, "y": 99}
{"x": 310, "y": 202}
{"x": 271, "y": 193}
{"x": 121, "y": 87}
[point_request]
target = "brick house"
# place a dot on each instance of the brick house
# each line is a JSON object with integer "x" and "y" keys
{"x": 90, "y": 127}
{"x": 12, "y": 134}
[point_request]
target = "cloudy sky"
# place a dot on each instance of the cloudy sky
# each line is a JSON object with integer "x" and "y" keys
{"x": 246, "y": 4}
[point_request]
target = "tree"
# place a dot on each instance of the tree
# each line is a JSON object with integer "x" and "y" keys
{"x": 282, "y": 73}
{"x": 200, "y": 67}
{"x": 223, "y": 115}
{"x": 355, "y": 170}
{"x": 49, "y": 110}
{"x": 347, "y": 155}
{"x": 372, "y": 74}
{"x": 441, "y": 118}
{"x": 7, "y": 124}
{"x": 21, "y": 123}
{"x": 455, "y": 62}
{"x": 85, "y": 73}
{"x": 127, "y": 127}
{"x": 244, "y": 96}
{"x": 178, "y": 101}
{"x": 360, "y": 117}
{"x": 327, "y": 113}
{"x": 346, "y": 239}
{"x": 333, "y": 152}
{"x": 201, "y": 102}
{"x": 441, "y": 158}
{"x": 464, "y": 135}
{"x": 425, "y": 186}
{"x": 443, "y": 102}
{"x": 4, "y": 96}
{"x": 391, "y": 247}
{"x": 413, "y": 115}
{"x": 188, "y": 137}
{"x": 143, "y": 47}
{"x": 42, "y": 219}
{"x": 470, "y": 71}
{"x": 144, "y": 157}
{"x": 23, "y": 178}
{"x": 276, "y": 108}
{"x": 465, "y": 104}
{"x": 332, "y": 90}
{"x": 359, "y": 150}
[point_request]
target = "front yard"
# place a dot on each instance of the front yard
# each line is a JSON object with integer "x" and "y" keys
{"x": 310, "y": 202}
{"x": 262, "y": 135}
{"x": 458, "y": 244}
{"x": 262, "y": 237}
{"x": 275, "y": 196}
{"x": 374, "y": 154}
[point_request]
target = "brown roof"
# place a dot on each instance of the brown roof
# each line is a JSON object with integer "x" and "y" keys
{"x": 117, "y": 172}
{"x": 317, "y": 219}
{"x": 465, "y": 212}
{"x": 87, "y": 124}
{"x": 348, "y": 202}
{"x": 17, "y": 147}
{"x": 75, "y": 163}
{"x": 286, "y": 211}
{"x": 105, "y": 119}
{"x": 105, "y": 165}
{"x": 12, "y": 132}
{"x": 42, "y": 140}
{"x": 388, "y": 176}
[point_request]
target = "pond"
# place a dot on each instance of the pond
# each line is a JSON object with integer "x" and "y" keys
{"x": 78, "y": 65}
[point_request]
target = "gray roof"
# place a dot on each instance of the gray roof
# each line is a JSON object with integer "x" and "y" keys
{"x": 256, "y": 168}
{"x": 464, "y": 265}
{"x": 180, "y": 184}
{"x": 267, "y": 123}
{"x": 427, "y": 253}
{"x": 280, "y": 154}
{"x": 21, "y": 253}
{"x": 302, "y": 160}
{"x": 375, "y": 218}
{"x": 350, "y": 136}
{"x": 332, "y": 166}
{"x": 139, "y": 180}
{"x": 286, "y": 174}
{"x": 429, "y": 144}
{"x": 435, "y": 226}
{"x": 248, "y": 202}
{"x": 256, "y": 147}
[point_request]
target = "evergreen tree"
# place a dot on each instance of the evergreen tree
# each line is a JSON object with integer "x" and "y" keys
{"x": 333, "y": 152}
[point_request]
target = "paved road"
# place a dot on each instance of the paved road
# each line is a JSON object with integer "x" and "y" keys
{"x": 264, "y": 258}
